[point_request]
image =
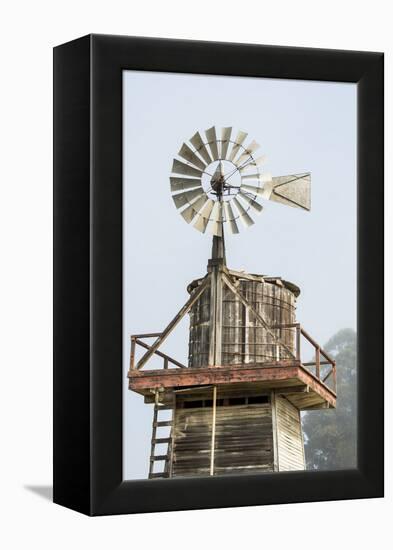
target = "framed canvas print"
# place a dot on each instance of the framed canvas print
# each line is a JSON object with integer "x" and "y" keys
{"x": 218, "y": 270}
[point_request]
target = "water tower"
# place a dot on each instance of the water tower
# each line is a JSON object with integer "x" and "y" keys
{"x": 235, "y": 407}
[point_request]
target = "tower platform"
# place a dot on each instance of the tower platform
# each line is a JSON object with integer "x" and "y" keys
{"x": 291, "y": 378}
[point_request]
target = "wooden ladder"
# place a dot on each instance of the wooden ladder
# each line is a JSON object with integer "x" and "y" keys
{"x": 157, "y": 423}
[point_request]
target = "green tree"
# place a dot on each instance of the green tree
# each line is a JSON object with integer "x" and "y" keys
{"x": 330, "y": 435}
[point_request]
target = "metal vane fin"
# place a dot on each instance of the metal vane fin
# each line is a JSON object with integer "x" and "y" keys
{"x": 181, "y": 184}
{"x": 262, "y": 177}
{"x": 197, "y": 142}
{"x": 241, "y": 136}
{"x": 253, "y": 203}
{"x": 256, "y": 190}
{"x": 216, "y": 219}
{"x": 243, "y": 215}
{"x": 189, "y": 155}
{"x": 250, "y": 149}
{"x": 185, "y": 169}
{"x": 230, "y": 217}
{"x": 253, "y": 164}
{"x": 225, "y": 137}
{"x": 211, "y": 137}
{"x": 203, "y": 217}
{"x": 191, "y": 211}
{"x": 181, "y": 199}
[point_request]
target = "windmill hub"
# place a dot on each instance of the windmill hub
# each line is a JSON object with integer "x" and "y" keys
{"x": 221, "y": 180}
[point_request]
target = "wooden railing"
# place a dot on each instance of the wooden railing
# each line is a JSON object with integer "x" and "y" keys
{"x": 136, "y": 341}
{"x": 322, "y": 358}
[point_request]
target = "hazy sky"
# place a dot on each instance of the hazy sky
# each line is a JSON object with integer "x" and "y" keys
{"x": 301, "y": 126}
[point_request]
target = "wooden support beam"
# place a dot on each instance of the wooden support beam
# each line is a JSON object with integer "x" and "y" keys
{"x": 274, "y": 430}
{"x": 316, "y": 345}
{"x": 213, "y": 442}
{"x": 166, "y": 357}
{"x": 132, "y": 355}
{"x": 175, "y": 321}
{"x": 317, "y": 407}
{"x": 298, "y": 342}
{"x": 293, "y": 389}
{"x": 334, "y": 377}
{"x": 215, "y": 321}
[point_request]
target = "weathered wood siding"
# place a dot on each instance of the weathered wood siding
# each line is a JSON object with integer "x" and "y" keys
{"x": 289, "y": 444}
{"x": 243, "y": 440}
{"x": 198, "y": 344}
{"x": 244, "y": 340}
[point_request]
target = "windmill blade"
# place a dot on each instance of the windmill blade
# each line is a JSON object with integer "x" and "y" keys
{"x": 258, "y": 191}
{"x": 188, "y": 154}
{"x": 243, "y": 215}
{"x": 184, "y": 169}
{"x": 230, "y": 217}
{"x": 203, "y": 217}
{"x": 241, "y": 136}
{"x": 254, "y": 176}
{"x": 250, "y": 149}
{"x": 200, "y": 147}
{"x": 216, "y": 219}
{"x": 181, "y": 184}
{"x": 293, "y": 190}
{"x": 265, "y": 177}
{"x": 225, "y": 137}
{"x": 212, "y": 141}
{"x": 191, "y": 211}
{"x": 181, "y": 199}
{"x": 253, "y": 163}
{"x": 260, "y": 160}
{"x": 253, "y": 203}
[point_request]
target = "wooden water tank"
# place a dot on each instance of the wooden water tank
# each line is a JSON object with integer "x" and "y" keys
{"x": 243, "y": 339}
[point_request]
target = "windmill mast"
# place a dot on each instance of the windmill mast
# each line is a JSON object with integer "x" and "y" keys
{"x": 215, "y": 267}
{"x": 218, "y": 185}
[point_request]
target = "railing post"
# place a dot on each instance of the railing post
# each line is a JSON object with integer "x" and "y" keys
{"x": 334, "y": 377}
{"x": 165, "y": 362}
{"x": 318, "y": 362}
{"x": 132, "y": 355}
{"x": 298, "y": 333}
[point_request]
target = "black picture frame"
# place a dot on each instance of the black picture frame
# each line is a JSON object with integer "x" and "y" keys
{"x": 88, "y": 374}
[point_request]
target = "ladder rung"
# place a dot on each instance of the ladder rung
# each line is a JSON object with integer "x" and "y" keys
{"x": 162, "y": 423}
{"x": 164, "y": 407}
{"x": 159, "y": 440}
{"x": 158, "y": 457}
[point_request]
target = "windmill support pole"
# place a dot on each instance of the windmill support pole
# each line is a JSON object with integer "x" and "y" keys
{"x": 215, "y": 316}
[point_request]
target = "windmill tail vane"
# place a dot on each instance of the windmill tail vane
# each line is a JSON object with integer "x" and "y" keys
{"x": 218, "y": 181}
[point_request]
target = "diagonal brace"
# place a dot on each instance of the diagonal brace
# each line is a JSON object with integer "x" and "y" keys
{"x": 184, "y": 310}
{"x": 257, "y": 315}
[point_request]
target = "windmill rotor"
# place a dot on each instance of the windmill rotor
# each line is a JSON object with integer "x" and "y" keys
{"x": 218, "y": 179}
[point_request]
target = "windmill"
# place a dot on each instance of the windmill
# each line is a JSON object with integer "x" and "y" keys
{"x": 222, "y": 203}
{"x": 236, "y": 404}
